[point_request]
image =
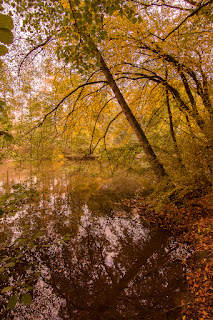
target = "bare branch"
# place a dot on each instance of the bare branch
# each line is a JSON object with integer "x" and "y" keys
{"x": 67, "y": 96}
{"x": 79, "y": 95}
{"x": 96, "y": 120}
{"x": 154, "y": 114}
{"x": 32, "y": 50}
{"x": 59, "y": 104}
{"x": 109, "y": 124}
{"x": 189, "y": 16}
{"x": 146, "y": 5}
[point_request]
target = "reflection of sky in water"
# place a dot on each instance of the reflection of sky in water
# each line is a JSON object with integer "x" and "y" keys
{"x": 108, "y": 267}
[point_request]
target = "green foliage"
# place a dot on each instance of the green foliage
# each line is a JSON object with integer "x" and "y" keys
{"x": 3, "y": 119}
{"x": 179, "y": 195}
{"x": 12, "y": 302}
{"x": 9, "y": 265}
{"x": 129, "y": 39}
{"x": 129, "y": 157}
{"x": 15, "y": 259}
{"x": 7, "y": 136}
{"x": 75, "y": 23}
{"x": 6, "y": 289}
{"x": 3, "y": 50}
{"x": 6, "y": 22}
{"x": 26, "y": 299}
{"x": 67, "y": 236}
{"x": 2, "y": 103}
{"x": 20, "y": 194}
{"x": 6, "y": 36}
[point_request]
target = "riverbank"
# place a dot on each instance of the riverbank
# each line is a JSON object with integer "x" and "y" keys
{"x": 190, "y": 220}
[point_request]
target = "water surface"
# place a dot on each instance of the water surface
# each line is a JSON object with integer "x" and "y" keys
{"x": 78, "y": 254}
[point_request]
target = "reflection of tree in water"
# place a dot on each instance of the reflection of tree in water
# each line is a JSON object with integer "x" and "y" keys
{"x": 104, "y": 273}
{"x": 106, "y": 268}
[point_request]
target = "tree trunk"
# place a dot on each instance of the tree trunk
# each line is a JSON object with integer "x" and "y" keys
{"x": 172, "y": 132}
{"x": 151, "y": 156}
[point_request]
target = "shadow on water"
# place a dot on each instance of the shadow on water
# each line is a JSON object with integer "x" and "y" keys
{"x": 80, "y": 257}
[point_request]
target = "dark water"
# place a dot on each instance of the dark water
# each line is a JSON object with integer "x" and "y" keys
{"x": 76, "y": 252}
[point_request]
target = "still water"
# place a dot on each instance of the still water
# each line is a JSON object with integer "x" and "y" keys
{"x": 70, "y": 247}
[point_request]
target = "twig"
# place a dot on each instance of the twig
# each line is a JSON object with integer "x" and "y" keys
{"x": 189, "y": 16}
{"x": 103, "y": 137}
{"x": 96, "y": 120}
{"x": 32, "y": 50}
{"x": 58, "y": 105}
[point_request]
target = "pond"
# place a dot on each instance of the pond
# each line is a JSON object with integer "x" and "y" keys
{"x": 69, "y": 250}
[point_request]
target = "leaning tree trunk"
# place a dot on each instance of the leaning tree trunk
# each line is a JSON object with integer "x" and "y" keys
{"x": 172, "y": 132}
{"x": 151, "y": 156}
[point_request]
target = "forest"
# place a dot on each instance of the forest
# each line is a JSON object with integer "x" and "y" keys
{"x": 106, "y": 113}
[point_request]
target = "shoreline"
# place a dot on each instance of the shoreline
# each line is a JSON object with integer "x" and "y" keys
{"x": 190, "y": 224}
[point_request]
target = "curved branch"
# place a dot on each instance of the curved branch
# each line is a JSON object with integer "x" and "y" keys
{"x": 153, "y": 115}
{"x": 59, "y": 104}
{"x": 104, "y": 136}
{"x": 79, "y": 95}
{"x": 96, "y": 120}
{"x": 146, "y": 5}
{"x": 67, "y": 96}
{"x": 189, "y": 16}
{"x": 32, "y": 50}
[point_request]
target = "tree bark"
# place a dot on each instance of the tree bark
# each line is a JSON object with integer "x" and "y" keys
{"x": 150, "y": 154}
{"x": 172, "y": 132}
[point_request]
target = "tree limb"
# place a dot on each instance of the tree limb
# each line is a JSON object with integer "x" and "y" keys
{"x": 109, "y": 124}
{"x": 60, "y": 102}
{"x": 96, "y": 120}
{"x": 201, "y": 6}
{"x": 32, "y": 50}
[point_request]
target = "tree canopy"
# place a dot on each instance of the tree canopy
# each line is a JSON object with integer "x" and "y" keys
{"x": 139, "y": 64}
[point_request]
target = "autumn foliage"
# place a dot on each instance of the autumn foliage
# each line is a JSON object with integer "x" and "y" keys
{"x": 128, "y": 83}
